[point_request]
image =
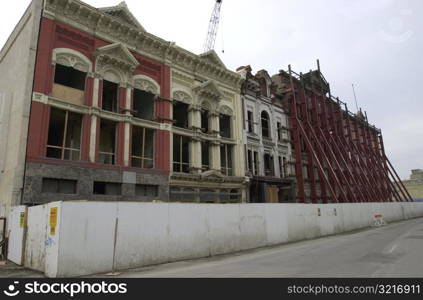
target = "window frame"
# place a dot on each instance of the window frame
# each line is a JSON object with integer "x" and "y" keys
{"x": 63, "y": 147}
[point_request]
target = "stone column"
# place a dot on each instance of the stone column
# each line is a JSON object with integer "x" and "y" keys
{"x": 127, "y": 130}
{"x": 215, "y": 146}
{"x": 93, "y": 131}
{"x": 195, "y": 155}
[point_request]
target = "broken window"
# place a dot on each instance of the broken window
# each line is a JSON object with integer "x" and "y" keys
{"x": 225, "y": 126}
{"x": 265, "y": 124}
{"x": 64, "y": 135}
{"x": 268, "y": 165}
{"x": 110, "y": 96}
{"x": 70, "y": 77}
{"x": 181, "y": 153}
{"x": 205, "y": 121}
{"x": 107, "y": 188}
{"x": 107, "y": 153}
{"x": 143, "y": 105}
{"x": 142, "y": 148}
{"x": 205, "y": 156}
{"x": 250, "y": 121}
{"x": 180, "y": 114}
{"x": 58, "y": 186}
{"x": 226, "y": 159}
{"x": 144, "y": 190}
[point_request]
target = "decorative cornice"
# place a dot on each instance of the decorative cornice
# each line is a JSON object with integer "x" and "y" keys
{"x": 105, "y": 26}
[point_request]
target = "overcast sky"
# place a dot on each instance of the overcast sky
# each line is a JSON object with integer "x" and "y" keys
{"x": 377, "y": 45}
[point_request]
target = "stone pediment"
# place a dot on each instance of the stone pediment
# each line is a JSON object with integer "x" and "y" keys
{"x": 122, "y": 13}
{"x": 209, "y": 89}
{"x": 212, "y": 175}
{"x": 213, "y": 58}
{"x": 117, "y": 54}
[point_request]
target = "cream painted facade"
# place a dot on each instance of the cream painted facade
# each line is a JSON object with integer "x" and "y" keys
{"x": 215, "y": 96}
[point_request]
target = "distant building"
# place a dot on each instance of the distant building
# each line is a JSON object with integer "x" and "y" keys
{"x": 415, "y": 184}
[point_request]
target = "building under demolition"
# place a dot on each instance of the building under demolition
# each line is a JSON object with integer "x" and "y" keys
{"x": 93, "y": 107}
{"x": 268, "y": 146}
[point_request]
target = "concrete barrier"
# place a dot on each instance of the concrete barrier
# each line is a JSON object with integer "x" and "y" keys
{"x": 100, "y": 237}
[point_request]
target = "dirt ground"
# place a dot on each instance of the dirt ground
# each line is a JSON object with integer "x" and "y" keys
{"x": 11, "y": 270}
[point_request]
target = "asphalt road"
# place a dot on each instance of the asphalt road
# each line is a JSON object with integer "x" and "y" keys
{"x": 395, "y": 250}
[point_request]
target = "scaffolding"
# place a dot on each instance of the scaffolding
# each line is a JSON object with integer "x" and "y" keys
{"x": 339, "y": 156}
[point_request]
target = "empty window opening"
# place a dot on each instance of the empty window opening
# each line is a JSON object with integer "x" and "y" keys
{"x": 225, "y": 126}
{"x": 265, "y": 125}
{"x": 250, "y": 161}
{"x": 70, "y": 77}
{"x": 107, "y": 153}
{"x": 279, "y": 128}
{"x": 180, "y": 114}
{"x": 234, "y": 196}
{"x": 205, "y": 121}
{"x": 144, "y": 190}
{"x": 181, "y": 153}
{"x": 256, "y": 163}
{"x": 226, "y": 159}
{"x": 268, "y": 165}
{"x": 59, "y": 186}
{"x": 205, "y": 156}
{"x": 143, "y": 105}
{"x": 285, "y": 167}
{"x": 142, "y": 148}
{"x": 107, "y": 188}
{"x": 281, "y": 170}
{"x": 250, "y": 121}
{"x": 64, "y": 135}
{"x": 110, "y": 96}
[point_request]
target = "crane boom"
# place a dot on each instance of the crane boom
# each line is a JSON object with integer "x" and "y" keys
{"x": 213, "y": 27}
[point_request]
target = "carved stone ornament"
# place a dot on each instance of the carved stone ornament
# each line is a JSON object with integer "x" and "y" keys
{"x": 145, "y": 85}
{"x": 182, "y": 97}
{"x": 71, "y": 58}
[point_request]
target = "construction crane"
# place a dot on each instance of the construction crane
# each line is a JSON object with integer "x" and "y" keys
{"x": 213, "y": 27}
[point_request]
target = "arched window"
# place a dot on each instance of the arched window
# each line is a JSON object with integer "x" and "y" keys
{"x": 265, "y": 124}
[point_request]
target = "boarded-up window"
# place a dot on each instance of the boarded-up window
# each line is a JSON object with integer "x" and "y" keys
{"x": 142, "y": 147}
{"x": 64, "y": 135}
{"x": 143, "y": 105}
{"x": 107, "y": 151}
